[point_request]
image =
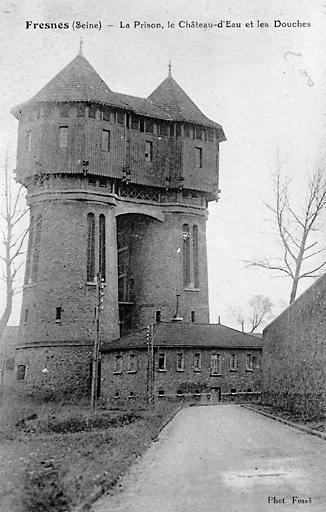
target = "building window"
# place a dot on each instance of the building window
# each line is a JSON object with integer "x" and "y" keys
{"x": 105, "y": 142}
{"x": 28, "y": 278}
{"x": 195, "y": 255}
{"x": 158, "y": 316}
{"x": 63, "y": 137}
{"x": 92, "y": 112}
{"x": 149, "y": 127}
{"x": 134, "y": 123}
{"x": 64, "y": 110}
{"x": 198, "y": 133}
{"x": 148, "y": 151}
{"x": 106, "y": 115}
{"x": 180, "y": 361}
{"x": 58, "y": 314}
{"x": 215, "y": 364}
{"x": 131, "y": 394}
{"x": 193, "y": 316}
{"x": 90, "y": 248}
{"x": 26, "y": 316}
{"x": 161, "y": 392}
{"x": 197, "y": 362}
{"x": 162, "y": 362}
{"x": 233, "y": 391}
{"x": 233, "y": 362}
{"x": 28, "y": 140}
{"x": 209, "y": 135}
{"x": 132, "y": 364}
{"x": 118, "y": 364}
{"x": 120, "y": 118}
{"x": 36, "y": 248}
{"x": 163, "y": 130}
{"x": 186, "y": 130}
{"x": 21, "y": 372}
{"x": 249, "y": 363}
{"x": 186, "y": 254}
{"x": 117, "y": 394}
{"x": 199, "y": 157}
{"x": 80, "y": 110}
{"x": 102, "y": 255}
{"x": 48, "y": 111}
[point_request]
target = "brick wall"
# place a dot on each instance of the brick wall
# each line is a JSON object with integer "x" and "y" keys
{"x": 54, "y": 371}
{"x": 188, "y": 381}
{"x": 294, "y": 355}
{"x": 157, "y": 269}
{"x": 61, "y": 280}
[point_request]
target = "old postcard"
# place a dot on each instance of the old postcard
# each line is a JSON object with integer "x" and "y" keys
{"x": 163, "y": 196}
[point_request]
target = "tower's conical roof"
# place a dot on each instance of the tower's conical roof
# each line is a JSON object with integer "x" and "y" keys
{"x": 78, "y": 81}
{"x": 172, "y": 99}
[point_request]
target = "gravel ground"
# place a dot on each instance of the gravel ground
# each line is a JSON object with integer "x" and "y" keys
{"x": 224, "y": 458}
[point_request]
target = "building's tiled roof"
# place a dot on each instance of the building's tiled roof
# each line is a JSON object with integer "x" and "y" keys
{"x": 79, "y": 81}
{"x": 171, "y": 98}
{"x": 175, "y": 334}
{"x": 143, "y": 106}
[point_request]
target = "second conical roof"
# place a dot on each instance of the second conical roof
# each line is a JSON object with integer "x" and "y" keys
{"x": 173, "y": 100}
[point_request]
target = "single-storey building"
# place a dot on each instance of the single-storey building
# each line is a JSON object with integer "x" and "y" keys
{"x": 172, "y": 359}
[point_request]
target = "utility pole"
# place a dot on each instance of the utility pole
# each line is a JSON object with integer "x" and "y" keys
{"x": 96, "y": 349}
{"x": 150, "y": 364}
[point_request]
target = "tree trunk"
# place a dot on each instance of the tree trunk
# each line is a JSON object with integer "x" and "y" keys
{"x": 7, "y": 312}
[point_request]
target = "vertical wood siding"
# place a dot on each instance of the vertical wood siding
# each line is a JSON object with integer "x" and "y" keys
{"x": 173, "y": 157}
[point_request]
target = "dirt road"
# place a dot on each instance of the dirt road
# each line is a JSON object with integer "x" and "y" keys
{"x": 224, "y": 459}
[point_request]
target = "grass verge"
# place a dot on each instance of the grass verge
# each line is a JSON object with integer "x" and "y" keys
{"x": 64, "y": 456}
{"x": 318, "y": 424}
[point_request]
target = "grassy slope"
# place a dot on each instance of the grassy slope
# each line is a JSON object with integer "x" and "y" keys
{"x": 314, "y": 424}
{"x": 46, "y": 471}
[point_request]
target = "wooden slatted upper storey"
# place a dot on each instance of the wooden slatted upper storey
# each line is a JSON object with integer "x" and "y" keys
{"x": 173, "y": 148}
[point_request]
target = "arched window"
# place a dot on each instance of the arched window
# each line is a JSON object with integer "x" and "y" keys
{"x": 21, "y": 372}
{"x": 195, "y": 255}
{"x": 29, "y": 252}
{"x": 90, "y": 248}
{"x": 186, "y": 254}
{"x": 36, "y": 248}
{"x": 101, "y": 261}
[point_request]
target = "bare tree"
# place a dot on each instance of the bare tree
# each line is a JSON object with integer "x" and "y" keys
{"x": 260, "y": 309}
{"x": 297, "y": 217}
{"x": 257, "y": 311}
{"x": 12, "y": 237}
{"x": 237, "y": 313}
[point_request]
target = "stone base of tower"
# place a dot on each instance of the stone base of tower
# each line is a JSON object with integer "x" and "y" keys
{"x": 54, "y": 371}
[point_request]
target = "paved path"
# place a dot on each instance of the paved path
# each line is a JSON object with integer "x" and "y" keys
{"x": 224, "y": 459}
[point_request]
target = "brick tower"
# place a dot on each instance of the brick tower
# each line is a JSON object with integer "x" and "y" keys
{"x": 118, "y": 186}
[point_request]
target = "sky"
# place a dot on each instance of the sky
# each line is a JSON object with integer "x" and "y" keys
{"x": 264, "y": 84}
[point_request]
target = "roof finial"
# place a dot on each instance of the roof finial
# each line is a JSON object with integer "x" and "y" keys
{"x": 170, "y": 67}
{"x": 80, "y": 46}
